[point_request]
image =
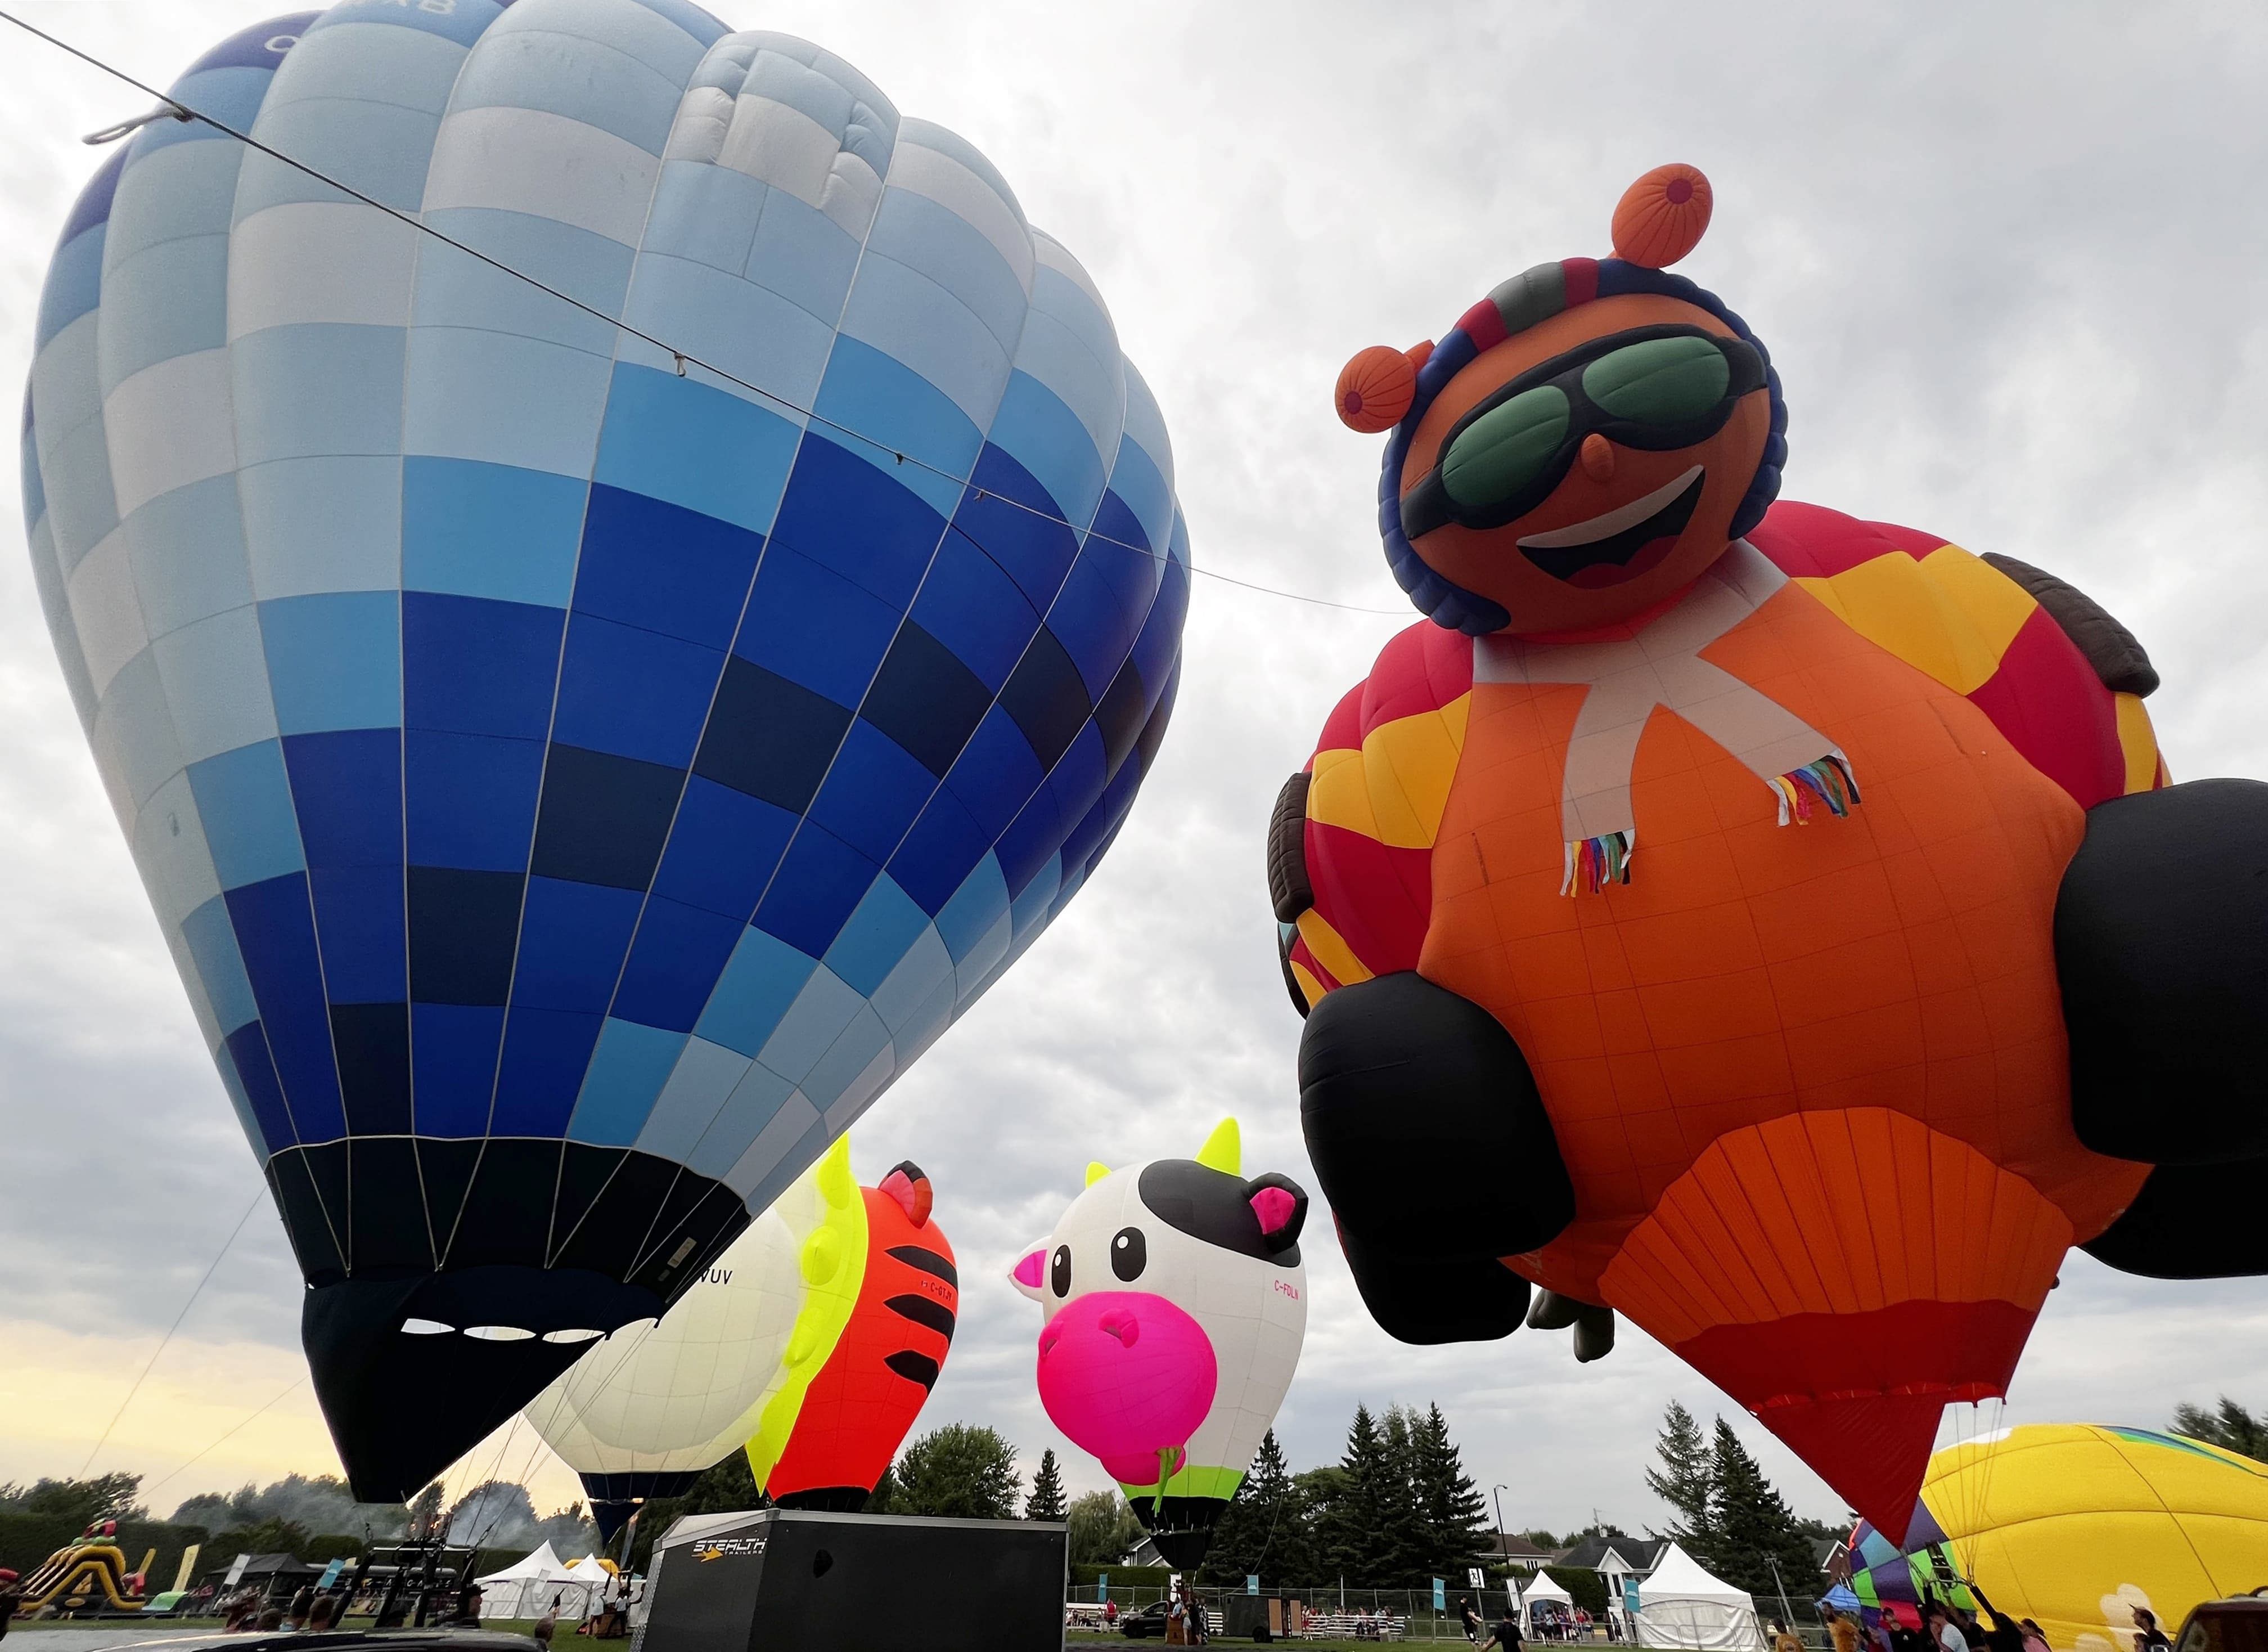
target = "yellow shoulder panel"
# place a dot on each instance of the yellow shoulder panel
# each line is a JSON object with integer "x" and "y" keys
{"x": 1331, "y": 949}
{"x": 1949, "y": 614}
{"x": 1396, "y": 786}
{"x": 2139, "y": 741}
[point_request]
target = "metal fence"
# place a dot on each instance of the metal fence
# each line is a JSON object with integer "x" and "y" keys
{"x": 1335, "y": 1614}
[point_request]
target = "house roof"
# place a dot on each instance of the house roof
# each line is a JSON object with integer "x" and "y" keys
{"x": 1637, "y": 1554}
{"x": 1513, "y": 1546}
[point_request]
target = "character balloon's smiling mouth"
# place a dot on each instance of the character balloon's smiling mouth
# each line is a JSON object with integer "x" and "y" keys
{"x": 1621, "y": 544}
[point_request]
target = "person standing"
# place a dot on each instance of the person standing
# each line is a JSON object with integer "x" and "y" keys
{"x": 1784, "y": 1639}
{"x": 2035, "y": 1638}
{"x": 11, "y": 1596}
{"x": 2147, "y": 1636}
{"x": 1844, "y": 1632}
{"x": 1946, "y": 1634}
{"x": 1506, "y": 1634}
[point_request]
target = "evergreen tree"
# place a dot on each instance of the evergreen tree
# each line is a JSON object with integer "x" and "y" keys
{"x": 1263, "y": 1530}
{"x": 1451, "y": 1512}
{"x": 1320, "y": 1491}
{"x": 1684, "y": 1480}
{"x": 1046, "y": 1501}
{"x": 1400, "y": 1543}
{"x": 1753, "y": 1526}
{"x": 2229, "y": 1426}
{"x": 1350, "y": 1533}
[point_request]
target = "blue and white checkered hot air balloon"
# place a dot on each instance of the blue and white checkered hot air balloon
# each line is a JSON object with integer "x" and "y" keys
{"x": 571, "y": 784}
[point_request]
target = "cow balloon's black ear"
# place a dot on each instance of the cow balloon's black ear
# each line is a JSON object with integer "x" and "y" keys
{"x": 1281, "y": 1205}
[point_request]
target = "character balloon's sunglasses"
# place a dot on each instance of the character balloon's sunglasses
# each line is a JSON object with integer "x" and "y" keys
{"x": 1655, "y": 388}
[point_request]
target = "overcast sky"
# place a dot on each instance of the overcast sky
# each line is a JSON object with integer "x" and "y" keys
{"x": 2008, "y": 260}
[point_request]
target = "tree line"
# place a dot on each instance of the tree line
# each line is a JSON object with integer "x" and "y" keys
{"x": 1395, "y": 1511}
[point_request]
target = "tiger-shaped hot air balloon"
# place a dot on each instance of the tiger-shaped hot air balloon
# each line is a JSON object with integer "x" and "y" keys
{"x": 866, "y": 1348}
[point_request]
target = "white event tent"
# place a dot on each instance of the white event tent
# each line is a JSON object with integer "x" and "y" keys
{"x": 526, "y": 1588}
{"x": 1541, "y": 1588}
{"x": 1681, "y": 1605}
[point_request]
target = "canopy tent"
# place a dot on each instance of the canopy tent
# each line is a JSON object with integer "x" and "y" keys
{"x": 529, "y": 1585}
{"x": 539, "y": 1562}
{"x": 1540, "y": 1591}
{"x": 1842, "y": 1600}
{"x": 1682, "y": 1605}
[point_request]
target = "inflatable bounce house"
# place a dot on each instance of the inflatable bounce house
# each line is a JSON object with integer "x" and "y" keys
{"x": 86, "y": 1576}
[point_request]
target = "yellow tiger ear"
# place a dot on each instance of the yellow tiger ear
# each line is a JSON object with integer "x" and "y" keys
{"x": 1095, "y": 1171}
{"x": 1224, "y": 1149}
{"x": 836, "y": 1184}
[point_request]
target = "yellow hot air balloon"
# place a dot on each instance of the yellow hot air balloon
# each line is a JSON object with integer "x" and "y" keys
{"x": 2075, "y": 1525}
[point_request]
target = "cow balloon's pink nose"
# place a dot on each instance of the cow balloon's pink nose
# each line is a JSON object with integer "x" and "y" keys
{"x": 1126, "y": 1374}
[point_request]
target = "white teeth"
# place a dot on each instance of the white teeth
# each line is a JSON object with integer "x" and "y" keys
{"x": 1613, "y": 522}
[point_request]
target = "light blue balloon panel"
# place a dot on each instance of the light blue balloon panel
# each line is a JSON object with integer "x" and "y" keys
{"x": 572, "y": 783}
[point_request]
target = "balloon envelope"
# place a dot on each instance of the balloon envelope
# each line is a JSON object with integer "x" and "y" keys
{"x": 572, "y": 785}
{"x": 862, "y": 1364}
{"x": 2075, "y": 1524}
{"x": 642, "y": 1414}
{"x": 1177, "y": 1305}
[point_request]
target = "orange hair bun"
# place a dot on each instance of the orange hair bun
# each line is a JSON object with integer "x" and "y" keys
{"x": 1376, "y": 389}
{"x": 1660, "y": 217}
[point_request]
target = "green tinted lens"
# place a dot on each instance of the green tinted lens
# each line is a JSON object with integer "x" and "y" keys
{"x": 1662, "y": 381}
{"x": 1505, "y": 449}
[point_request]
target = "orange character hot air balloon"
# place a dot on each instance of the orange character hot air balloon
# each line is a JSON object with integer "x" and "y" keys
{"x": 1783, "y": 921}
{"x": 868, "y": 1343}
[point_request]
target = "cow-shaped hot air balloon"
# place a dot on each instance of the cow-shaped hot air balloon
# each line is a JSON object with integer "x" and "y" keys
{"x": 1176, "y": 1305}
{"x": 574, "y": 781}
{"x": 1773, "y": 926}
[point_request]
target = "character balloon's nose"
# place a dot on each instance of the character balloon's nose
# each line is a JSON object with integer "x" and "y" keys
{"x": 1126, "y": 1374}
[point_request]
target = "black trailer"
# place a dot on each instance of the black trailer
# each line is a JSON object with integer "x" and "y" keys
{"x": 823, "y": 1582}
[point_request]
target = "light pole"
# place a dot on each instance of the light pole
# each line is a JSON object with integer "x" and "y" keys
{"x": 1519, "y": 1604}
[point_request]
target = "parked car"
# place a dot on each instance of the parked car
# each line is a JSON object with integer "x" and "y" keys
{"x": 2239, "y": 1625}
{"x": 1151, "y": 1620}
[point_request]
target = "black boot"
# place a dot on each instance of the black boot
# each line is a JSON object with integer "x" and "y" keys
{"x": 2161, "y": 949}
{"x": 1434, "y": 1151}
{"x": 2161, "y": 946}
